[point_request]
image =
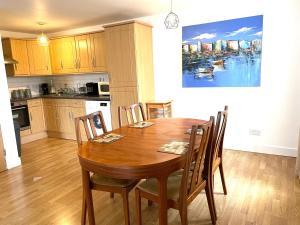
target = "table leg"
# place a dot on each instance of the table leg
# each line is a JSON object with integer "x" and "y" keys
{"x": 88, "y": 196}
{"x": 163, "y": 210}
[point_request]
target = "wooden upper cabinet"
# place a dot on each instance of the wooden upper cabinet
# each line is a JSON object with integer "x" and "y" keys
{"x": 39, "y": 58}
{"x": 83, "y": 54}
{"x": 98, "y": 52}
{"x": 16, "y": 49}
{"x": 55, "y": 48}
{"x": 120, "y": 58}
{"x": 63, "y": 55}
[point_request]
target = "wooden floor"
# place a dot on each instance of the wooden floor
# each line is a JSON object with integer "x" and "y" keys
{"x": 46, "y": 190}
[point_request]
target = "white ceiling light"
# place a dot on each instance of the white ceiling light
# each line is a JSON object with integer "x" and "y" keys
{"x": 172, "y": 20}
{"x": 42, "y": 38}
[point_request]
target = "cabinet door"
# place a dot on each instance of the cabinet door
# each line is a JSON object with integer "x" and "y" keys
{"x": 56, "y": 55}
{"x": 83, "y": 49}
{"x": 98, "y": 52}
{"x": 68, "y": 55}
{"x": 64, "y": 119}
{"x": 121, "y": 55}
{"x": 63, "y": 55}
{"x": 121, "y": 97}
{"x": 37, "y": 120}
{"x": 19, "y": 53}
{"x": 39, "y": 58}
{"x": 50, "y": 113}
{"x": 2, "y": 157}
{"x": 76, "y": 112}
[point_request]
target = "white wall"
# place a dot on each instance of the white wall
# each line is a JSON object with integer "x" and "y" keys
{"x": 6, "y": 120}
{"x": 272, "y": 108}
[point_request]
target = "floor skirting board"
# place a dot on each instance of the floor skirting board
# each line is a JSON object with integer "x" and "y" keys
{"x": 269, "y": 149}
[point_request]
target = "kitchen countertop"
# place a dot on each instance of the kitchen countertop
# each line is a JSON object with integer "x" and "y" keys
{"x": 62, "y": 96}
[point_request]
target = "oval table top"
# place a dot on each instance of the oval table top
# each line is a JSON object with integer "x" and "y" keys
{"x": 136, "y": 154}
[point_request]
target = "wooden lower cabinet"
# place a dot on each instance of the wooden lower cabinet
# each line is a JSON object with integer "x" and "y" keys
{"x": 50, "y": 113}
{"x": 60, "y": 115}
{"x": 121, "y": 97}
{"x": 37, "y": 120}
{"x": 2, "y": 155}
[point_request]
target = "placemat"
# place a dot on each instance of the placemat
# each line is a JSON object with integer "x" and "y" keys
{"x": 175, "y": 147}
{"x": 142, "y": 124}
{"x": 108, "y": 138}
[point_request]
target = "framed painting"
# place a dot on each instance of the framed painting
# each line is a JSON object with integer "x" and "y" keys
{"x": 222, "y": 54}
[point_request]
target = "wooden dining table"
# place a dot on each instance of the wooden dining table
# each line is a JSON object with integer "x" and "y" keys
{"x": 136, "y": 156}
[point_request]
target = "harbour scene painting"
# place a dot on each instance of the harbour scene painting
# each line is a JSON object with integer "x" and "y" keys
{"x": 222, "y": 54}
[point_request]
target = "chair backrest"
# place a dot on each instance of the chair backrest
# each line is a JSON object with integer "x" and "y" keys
{"x": 92, "y": 123}
{"x": 198, "y": 160}
{"x": 219, "y": 132}
{"x": 133, "y": 114}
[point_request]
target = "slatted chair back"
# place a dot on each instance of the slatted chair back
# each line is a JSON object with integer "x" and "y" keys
{"x": 197, "y": 164}
{"x": 133, "y": 113}
{"x": 220, "y": 132}
{"x": 91, "y": 123}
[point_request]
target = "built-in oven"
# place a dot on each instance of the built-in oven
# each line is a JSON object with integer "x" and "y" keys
{"x": 20, "y": 113}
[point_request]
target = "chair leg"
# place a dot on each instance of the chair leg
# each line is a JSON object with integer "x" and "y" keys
{"x": 211, "y": 206}
{"x": 126, "y": 206}
{"x": 112, "y": 195}
{"x": 138, "y": 206}
{"x": 83, "y": 212}
{"x": 223, "y": 178}
{"x": 88, "y": 196}
{"x": 150, "y": 203}
{"x": 183, "y": 215}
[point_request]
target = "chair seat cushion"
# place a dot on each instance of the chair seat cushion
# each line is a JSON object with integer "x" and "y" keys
{"x": 173, "y": 185}
{"x": 108, "y": 181}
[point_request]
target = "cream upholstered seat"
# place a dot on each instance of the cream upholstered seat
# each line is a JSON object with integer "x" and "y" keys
{"x": 109, "y": 181}
{"x": 173, "y": 186}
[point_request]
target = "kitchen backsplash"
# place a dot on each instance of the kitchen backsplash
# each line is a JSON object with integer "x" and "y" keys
{"x": 61, "y": 81}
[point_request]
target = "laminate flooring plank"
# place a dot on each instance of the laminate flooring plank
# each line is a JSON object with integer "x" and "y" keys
{"x": 46, "y": 190}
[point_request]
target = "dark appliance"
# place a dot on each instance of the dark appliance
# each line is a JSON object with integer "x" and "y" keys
{"x": 18, "y": 135}
{"x": 20, "y": 113}
{"x": 92, "y": 89}
{"x": 44, "y": 88}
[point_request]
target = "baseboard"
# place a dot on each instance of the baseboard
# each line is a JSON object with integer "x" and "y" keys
{"x": 55, "y": 134}
{"x": 272, "y": 150}
{"x": 33, "y": 137}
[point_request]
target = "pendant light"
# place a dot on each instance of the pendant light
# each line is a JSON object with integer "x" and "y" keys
{"x": 172, "y": 20}
{"x": 42, "y": 38}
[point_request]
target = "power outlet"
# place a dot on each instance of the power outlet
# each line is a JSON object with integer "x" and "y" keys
{"x": 254, "y": 132}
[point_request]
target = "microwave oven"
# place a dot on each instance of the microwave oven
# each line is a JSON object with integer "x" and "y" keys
{"x": 103, "y": 88}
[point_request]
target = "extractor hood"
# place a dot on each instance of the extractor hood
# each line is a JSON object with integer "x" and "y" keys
{"x": 8, "y": 60}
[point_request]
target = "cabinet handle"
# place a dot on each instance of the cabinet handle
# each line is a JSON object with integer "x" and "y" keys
{"x": 16, "y": 67}
{"x": 61, "y": 65}
{"x": 30, "y": 116}
{"x": 78, "y": 64}
{"x": 46, "y": 67}
{"x": 94, "y": 62}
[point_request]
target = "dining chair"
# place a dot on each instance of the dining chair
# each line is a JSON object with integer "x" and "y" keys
{"x": 218, "y": 139}
{"x": 133, "y": 113}
{"x": 184, "y": 187}
{"x": 91, "y": 124}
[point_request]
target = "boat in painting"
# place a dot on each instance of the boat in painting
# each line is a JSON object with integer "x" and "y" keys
{"x": 218, "y": 62}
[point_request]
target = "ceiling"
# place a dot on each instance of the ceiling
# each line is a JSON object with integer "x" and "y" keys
{"x": 59, "y": 15}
